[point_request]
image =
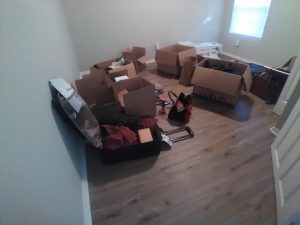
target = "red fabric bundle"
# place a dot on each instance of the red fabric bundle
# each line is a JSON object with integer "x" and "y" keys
{"x": 118, "y": 137}
{"x": 148, "y": 122}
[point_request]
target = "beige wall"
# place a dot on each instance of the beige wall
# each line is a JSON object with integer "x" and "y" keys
{"x": 101, "y": 29}
{"x": 40, "y": 162}
{"x": 281, "y": 38}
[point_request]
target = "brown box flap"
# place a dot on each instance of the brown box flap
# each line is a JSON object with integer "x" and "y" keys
{"x": 97, "y": 95}
{"x": 139, "y": 51}
{"x": 121, "y": 96}
{"x": 140, "y": 99}
{"x": 247, "y": 79}
{"x": 186, "y": 53}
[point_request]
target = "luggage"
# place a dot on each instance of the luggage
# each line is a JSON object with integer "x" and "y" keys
{"x": 182, "y": 107}
{"x": 73, "y": 109}
{"x": 188, "y": 130}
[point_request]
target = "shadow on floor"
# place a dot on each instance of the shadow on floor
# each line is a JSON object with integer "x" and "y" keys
{"x": 100, "y": 174}
{"x": 240, "y": 112}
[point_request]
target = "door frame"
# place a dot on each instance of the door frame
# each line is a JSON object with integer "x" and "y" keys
{"x": 289, "y": 87}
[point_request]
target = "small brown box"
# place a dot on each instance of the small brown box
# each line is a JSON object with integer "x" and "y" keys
{"x": 145, "y": 135}
{"x": 140, "y": 99}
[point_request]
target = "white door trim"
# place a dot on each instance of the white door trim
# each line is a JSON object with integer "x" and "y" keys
{"x": 289, "y": 87}
{"x": 286, "y": 159}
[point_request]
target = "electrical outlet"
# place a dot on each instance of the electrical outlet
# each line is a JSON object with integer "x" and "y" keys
{"x": 237, "y": 43}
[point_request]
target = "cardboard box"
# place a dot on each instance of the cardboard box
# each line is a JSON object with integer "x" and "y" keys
{"x": 102, "y": 67}
{"x": 137, "y": 96}
{"x": 99, "y": 96}
{"x": 137, "y": 56}
{"x": 170, "y": 59}
{"x": 94, "y": 90}
{"x": 220, "y": 85}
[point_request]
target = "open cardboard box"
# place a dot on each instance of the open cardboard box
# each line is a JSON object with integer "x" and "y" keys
{"x": 137, "y": 56}
{"x": 137, "y": 96}
{"x": 219, "y": 85}
{"x": 170, "y": 59}
{"x": 98, "y": 95}
{"x": 86, "y": 125}
{"x": 103, "y": 67}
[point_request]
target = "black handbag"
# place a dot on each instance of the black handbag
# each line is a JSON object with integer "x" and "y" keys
{"x": 182, "y": 108}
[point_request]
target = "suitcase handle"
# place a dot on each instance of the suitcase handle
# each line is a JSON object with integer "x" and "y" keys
{"x": 189, "y": 130}
{"x": 180, "y": 129}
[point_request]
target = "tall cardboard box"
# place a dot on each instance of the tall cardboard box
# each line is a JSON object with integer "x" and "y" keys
{"x": 171, "y": 59}
{"x": 137, "y": 96}
{"x": 222, "y": 86}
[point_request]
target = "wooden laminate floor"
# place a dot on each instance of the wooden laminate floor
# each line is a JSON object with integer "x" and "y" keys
{"x": 223, "y": 176}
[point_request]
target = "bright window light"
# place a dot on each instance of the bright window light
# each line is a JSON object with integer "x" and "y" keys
{"x": 249, "y": 17}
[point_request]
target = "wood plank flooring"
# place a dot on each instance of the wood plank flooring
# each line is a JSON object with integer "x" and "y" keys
{"x": 223, "y": 176}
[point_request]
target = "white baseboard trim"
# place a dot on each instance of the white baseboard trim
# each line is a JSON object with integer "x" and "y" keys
{"x": 87, "y": 214}
{"x": 83, "y": 73}
{"x": 274, "y": 131}
{"x": 150, "y": 61}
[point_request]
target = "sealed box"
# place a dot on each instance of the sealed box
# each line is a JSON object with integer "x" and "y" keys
{"x": 171, "y": 59}
{"x": 137, "y": 96}
{"x": 221, "y": 80}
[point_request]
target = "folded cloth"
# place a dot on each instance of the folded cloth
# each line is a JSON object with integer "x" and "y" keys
{"x": 117, "y": 137}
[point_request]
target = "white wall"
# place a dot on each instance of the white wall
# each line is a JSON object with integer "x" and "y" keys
{"x": 281, "y": 36}
{"x": 40, "y": 179}
{"x": 101, "y": 29}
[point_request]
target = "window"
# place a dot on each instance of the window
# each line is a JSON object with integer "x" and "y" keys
{"x": 249, "y": 17}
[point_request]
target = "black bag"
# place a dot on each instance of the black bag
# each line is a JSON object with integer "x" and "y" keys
{"x": 182, "y": 107}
